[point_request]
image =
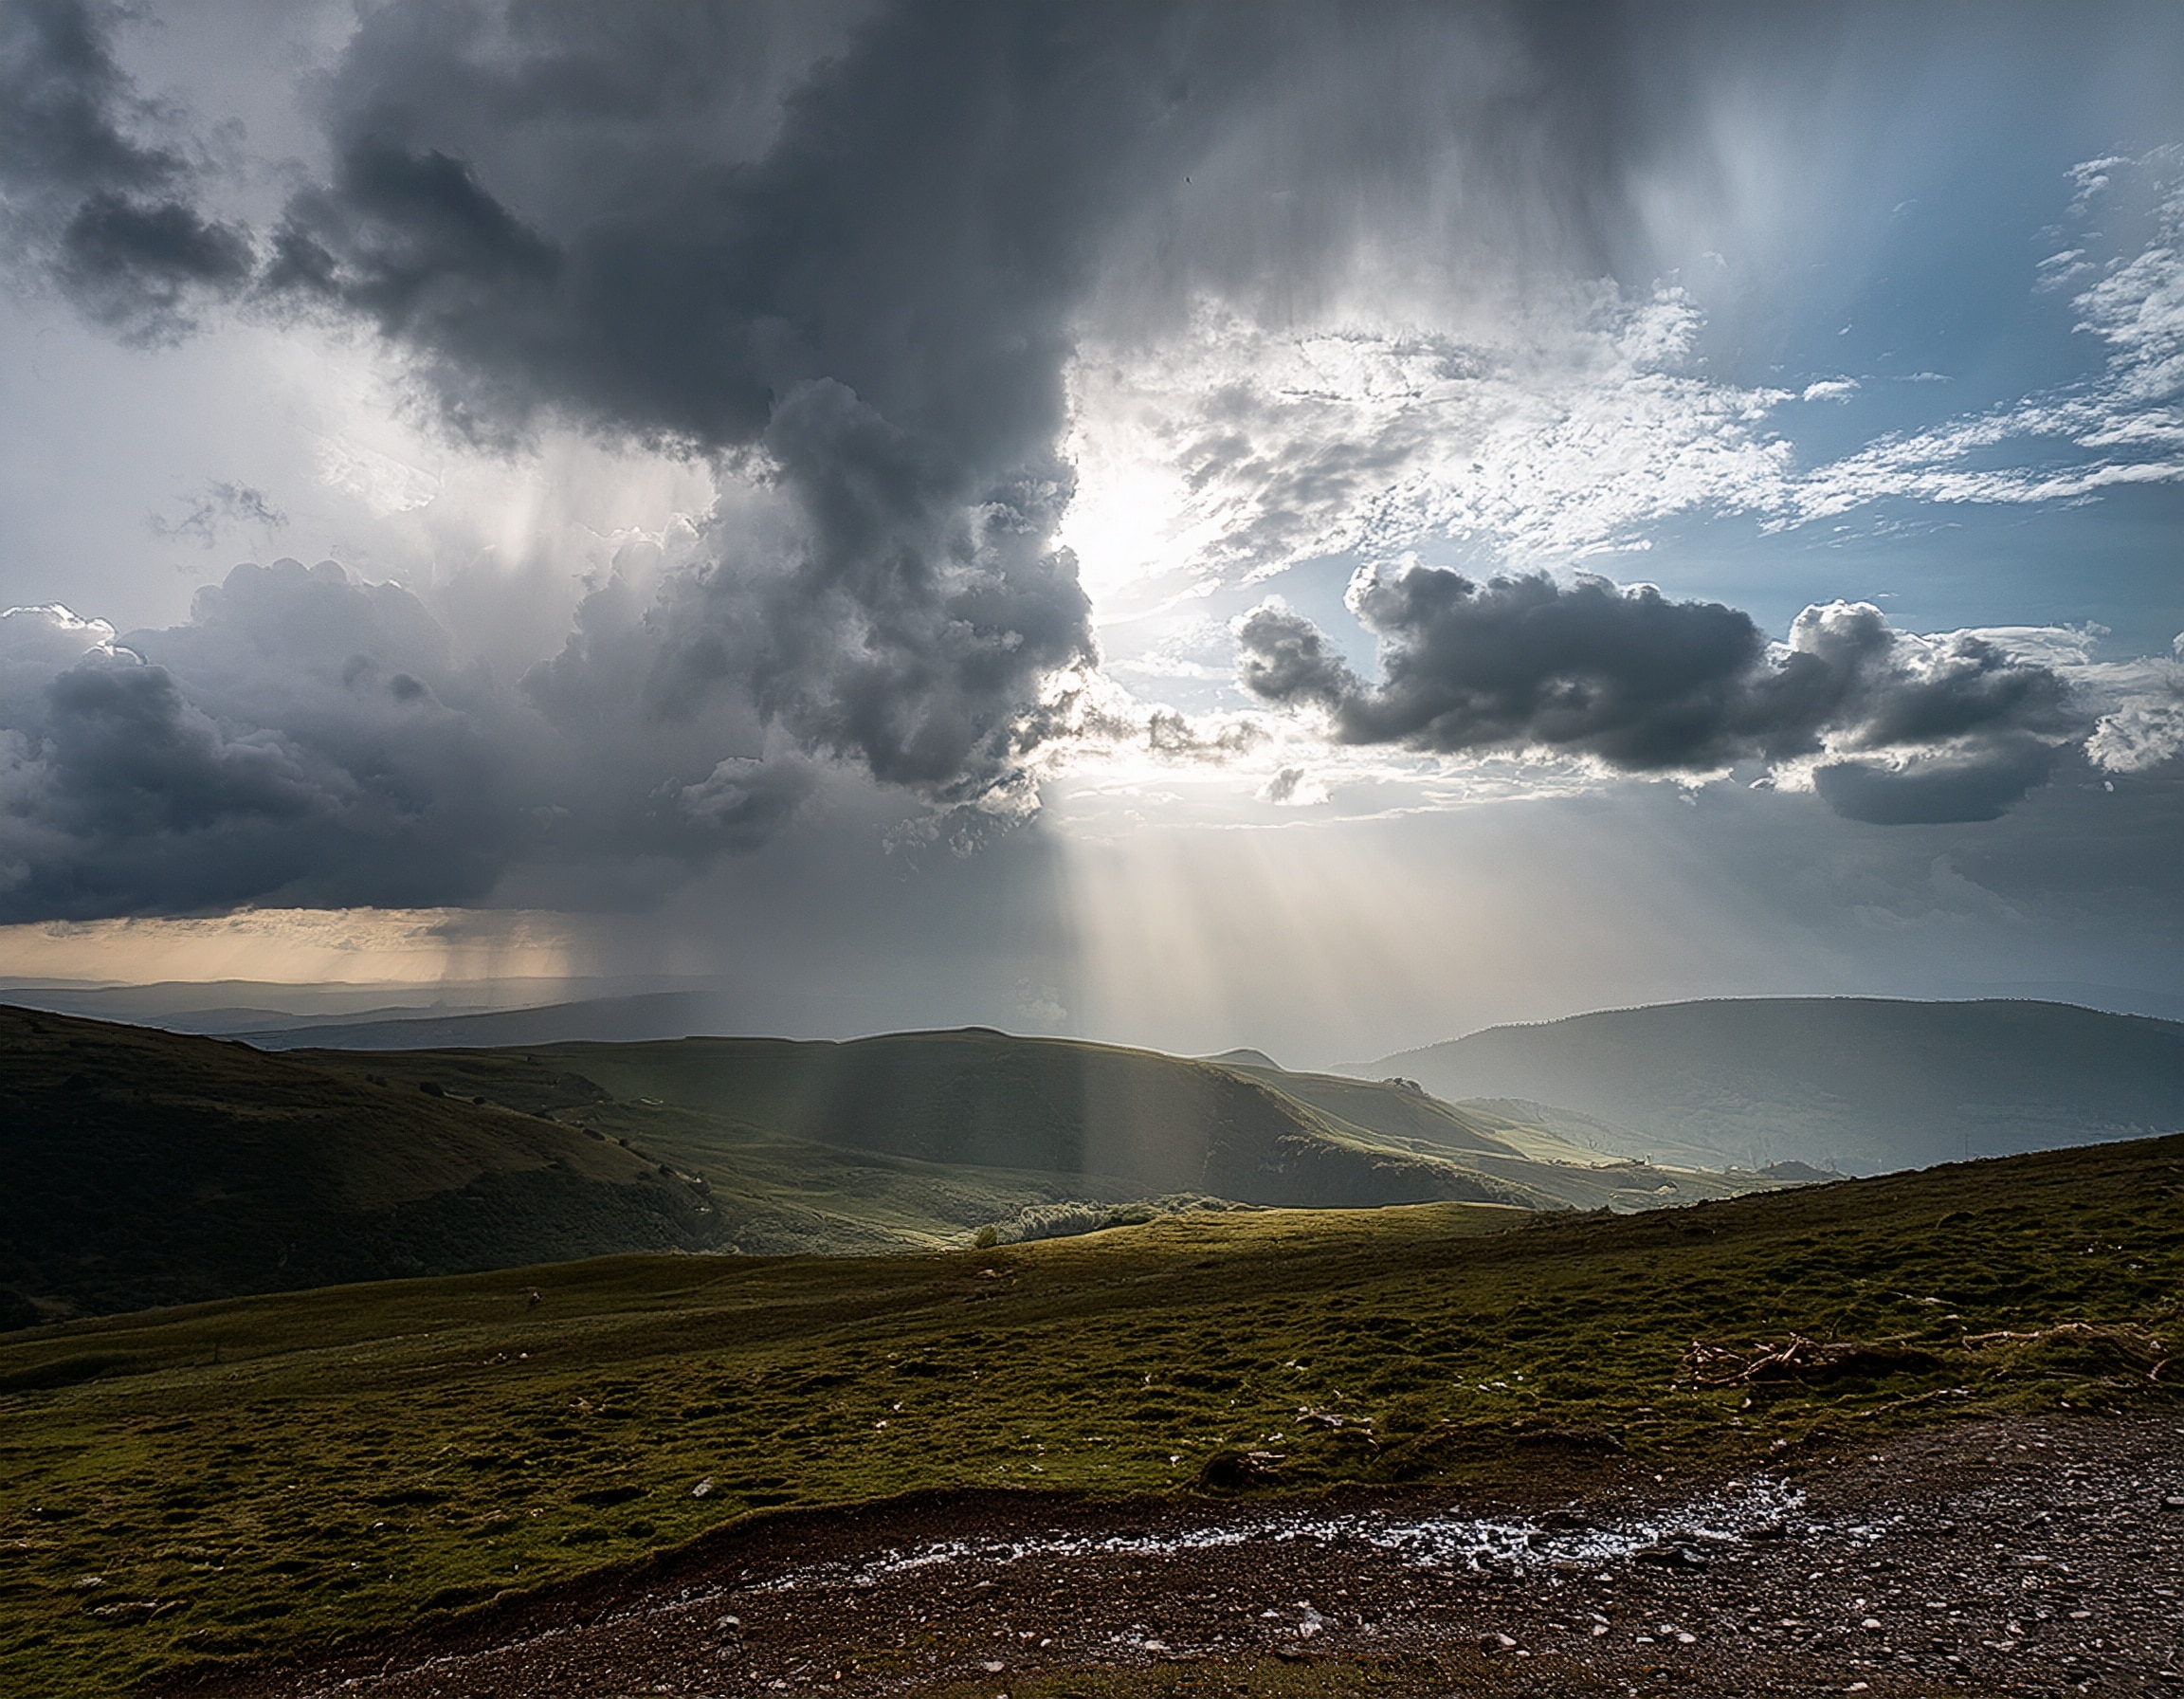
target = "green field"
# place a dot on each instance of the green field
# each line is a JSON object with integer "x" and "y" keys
{"x": 277, "y": 1472}
{"x": 146, "y": 1168}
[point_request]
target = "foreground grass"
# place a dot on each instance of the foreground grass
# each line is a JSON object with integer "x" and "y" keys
{"x": 273, "y": 1473}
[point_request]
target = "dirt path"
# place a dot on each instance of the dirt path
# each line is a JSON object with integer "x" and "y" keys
{"x": 2038, "y": 1556}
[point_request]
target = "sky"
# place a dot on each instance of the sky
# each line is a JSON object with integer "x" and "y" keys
{"x": 1310, "y": 526}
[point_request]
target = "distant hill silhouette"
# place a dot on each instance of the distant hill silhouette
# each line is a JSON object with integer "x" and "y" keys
{"x": 225, "y": 1007}
{"x": 648, "y": 1015}
{"x": 1859, "y": 1082}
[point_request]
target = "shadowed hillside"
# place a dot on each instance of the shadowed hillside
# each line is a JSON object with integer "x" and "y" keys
{"x": 1147, "y": 1123}
{"x": 145, "y": 1167}
{"x": 1858, "y": 1082}
{"x": 149, "y": 1167}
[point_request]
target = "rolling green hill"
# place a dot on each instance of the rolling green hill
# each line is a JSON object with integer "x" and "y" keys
{"x": 143, "y": 1167}
{"x": 149, "y": 1167}
{"x": 1860, "y": 1082}
{"x": 1124, "y": 1122}
{"x": 270, "y": 1474}
{"x": 1531, "y": 1145}
{"x": 1097, "y": 1121}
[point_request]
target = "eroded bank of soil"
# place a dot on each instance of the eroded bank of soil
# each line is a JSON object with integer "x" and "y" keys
{"x": 2036, "y": 1556}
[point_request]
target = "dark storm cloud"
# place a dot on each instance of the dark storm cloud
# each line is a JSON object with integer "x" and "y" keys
{"x": 875, "y": 298}
{"x": 309, "y": 739}
{"x": 106, "y": 217}
{"x": 128, "y": 755}
{"x": 1981, "y": 785}
{"x": 1955, "y": 729}
{"x": 266, "y": 750}
{"x": 841, "y": 247}
{"x": 1936, "y": 730}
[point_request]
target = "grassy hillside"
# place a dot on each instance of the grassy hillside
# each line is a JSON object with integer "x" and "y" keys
{"x": 271, "y": 1473}
{"x": 1530, "y": 1144}
{"x": 147, "y": 1167}
{"x": 150, "y": 1167}
{"x": 1123, "y": 1122}
{"x": 143, "y": 1167}
{"x": 1591, "y": 1135}
{"x": 1862, "y": 1083}
{"x": 1385, "y": 1106}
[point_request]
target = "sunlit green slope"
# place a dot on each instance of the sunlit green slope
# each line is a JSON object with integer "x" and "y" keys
{"x": 272, "y": 1474}
{"x": 1513, "y": 1143}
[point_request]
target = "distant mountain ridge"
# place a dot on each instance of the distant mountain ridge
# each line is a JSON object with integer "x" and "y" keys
{"x": 231, "y": 1008}
{"x": 1860, "y": 1082}
{"x": 658, "y": 1015}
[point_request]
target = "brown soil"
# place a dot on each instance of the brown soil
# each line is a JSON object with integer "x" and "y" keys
{"x": 2031, "y": 1556}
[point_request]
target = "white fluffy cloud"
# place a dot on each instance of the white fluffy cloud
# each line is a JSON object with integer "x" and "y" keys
{"x": 1581, "y": 422}
{"x": 1246, "y": 449}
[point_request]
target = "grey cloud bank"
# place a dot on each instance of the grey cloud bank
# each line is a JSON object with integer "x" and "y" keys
{"x": 310, "y": 740}
{"x": 874, "y": 298}
{"x": 1913, "y": 729}
{"x": 111, "y": 218}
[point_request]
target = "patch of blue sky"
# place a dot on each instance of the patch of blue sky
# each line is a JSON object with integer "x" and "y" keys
{"x": 1955, "y": 291}
{"x": 1953, "y": 316}
{"x": 2115, "y": 561}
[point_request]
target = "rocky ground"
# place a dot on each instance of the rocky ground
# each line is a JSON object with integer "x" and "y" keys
{"x": 2033, "y": 1556}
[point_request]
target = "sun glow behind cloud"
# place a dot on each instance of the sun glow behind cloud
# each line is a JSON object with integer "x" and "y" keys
{"x": 1580, "y": 423}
